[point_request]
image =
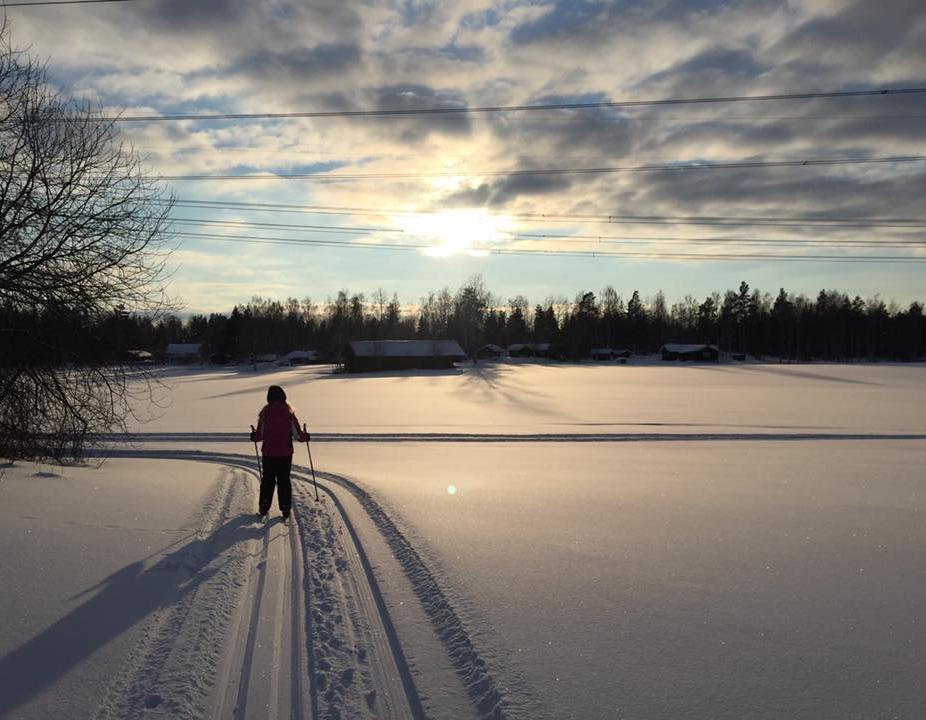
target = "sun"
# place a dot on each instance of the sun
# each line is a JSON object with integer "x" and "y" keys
{"x": 456, "y": 232}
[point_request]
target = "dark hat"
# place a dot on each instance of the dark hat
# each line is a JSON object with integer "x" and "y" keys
{"x": 275, "y": 394}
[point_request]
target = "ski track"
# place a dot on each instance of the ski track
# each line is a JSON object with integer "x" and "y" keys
{"x": 169, "y": 673}
{"x": 236, "y": 437}
{"x": 284, "y": 619}
{"x": 473, "y": 671}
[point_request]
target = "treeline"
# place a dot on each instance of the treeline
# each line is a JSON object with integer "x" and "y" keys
{"x": 831, "y": 326}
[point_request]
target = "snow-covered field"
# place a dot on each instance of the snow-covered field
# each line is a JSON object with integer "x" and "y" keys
{"x": 526, "y": 541}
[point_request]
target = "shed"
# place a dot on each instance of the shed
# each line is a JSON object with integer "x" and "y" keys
{"x": 602, "y": 354}
{"x": 533, "y": 349}
{"x": 181, "y": 353}
{"x": 376, "y": 355}
{"x": 300, "y": 357}
{"x": 490, "y": 352}
{"x": 697, "y": 353}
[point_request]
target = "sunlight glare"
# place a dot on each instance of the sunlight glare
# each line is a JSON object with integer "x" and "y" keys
{"x": 455, "y": 232}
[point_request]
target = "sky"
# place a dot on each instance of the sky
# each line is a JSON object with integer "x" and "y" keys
{"x": 415, "y": 203}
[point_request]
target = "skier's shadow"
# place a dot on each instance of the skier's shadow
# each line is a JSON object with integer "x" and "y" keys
{"x": 116, "y": 604}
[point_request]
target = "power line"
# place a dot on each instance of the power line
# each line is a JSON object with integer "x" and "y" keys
{"x": 615, "y": 219}
{"x": 309, "y": 228}
{"x": 404, "y": 112}
{"x": 562, "y": 253}
{"x": 902, "y": 242}
{"x": 59, "y": 2}
{"x": 351, "y": 177}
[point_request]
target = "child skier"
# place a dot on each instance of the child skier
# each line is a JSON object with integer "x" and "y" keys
{"x": 277, "y": 425}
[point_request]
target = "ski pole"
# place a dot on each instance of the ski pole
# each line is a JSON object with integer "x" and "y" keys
{"x": 260, "y": 469}
{"x": 311, "y": 464}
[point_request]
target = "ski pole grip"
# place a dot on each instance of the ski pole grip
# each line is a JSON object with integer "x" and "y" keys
{"x": 306, "y": 433}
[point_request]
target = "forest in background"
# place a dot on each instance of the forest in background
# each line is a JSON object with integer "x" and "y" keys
{"x": 832, "y": 326}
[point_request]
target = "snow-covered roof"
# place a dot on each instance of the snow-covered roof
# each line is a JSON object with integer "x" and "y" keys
{"x": 682, "y": 348}
{"x": 493, "y": 348}
{"x": 302, "y": 355}
{"x": 406, "y": 348}
{"x": 183, "y": 348}
{"x": 602, "y": 351}
{"x": 515, "y": 347}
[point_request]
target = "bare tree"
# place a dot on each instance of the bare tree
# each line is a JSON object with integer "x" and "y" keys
{"x": 83, "y": 238}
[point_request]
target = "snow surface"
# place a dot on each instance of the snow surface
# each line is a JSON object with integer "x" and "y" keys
{"x": 511, "y": 540}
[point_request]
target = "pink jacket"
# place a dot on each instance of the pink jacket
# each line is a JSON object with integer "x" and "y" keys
{"x": 277, "y": 427}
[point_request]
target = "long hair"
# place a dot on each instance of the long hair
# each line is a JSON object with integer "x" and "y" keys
{"x": 276, "y": 394}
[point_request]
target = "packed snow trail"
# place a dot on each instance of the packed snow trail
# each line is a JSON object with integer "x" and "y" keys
{"x": 615, "y": 437}
{"x": 289, "y": 620}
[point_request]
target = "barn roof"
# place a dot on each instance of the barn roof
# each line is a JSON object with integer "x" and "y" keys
{"x": 406, "y": 348}
{"x": 682, "y": 348}
{"x": 183, "y": 348}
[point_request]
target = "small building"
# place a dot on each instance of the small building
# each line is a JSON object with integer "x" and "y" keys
{"x": 183, "y": 353}
{"x": 267, "y": 358}
{"x": 692, "y": 353}
{"x": 139, "y": 357}
{"x": 533, "y": 349}
{"x": 378, "y": 355}
{"x": 300, "y": 357}
{"x": 602, "y": 354}
{"x": 490, "y": 352}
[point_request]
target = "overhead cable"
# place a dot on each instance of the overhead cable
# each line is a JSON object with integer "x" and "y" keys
{"x": 351, "y": 177}
{"x": 464, "y": 110}
{"x": 616, "y": 219}
{"x": 561, "y": 253}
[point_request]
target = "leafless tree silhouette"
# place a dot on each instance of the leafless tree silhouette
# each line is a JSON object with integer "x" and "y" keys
{"x": 84, "y": 237}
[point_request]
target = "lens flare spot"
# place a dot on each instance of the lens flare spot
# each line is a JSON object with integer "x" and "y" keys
{"x": 451, "y": 489}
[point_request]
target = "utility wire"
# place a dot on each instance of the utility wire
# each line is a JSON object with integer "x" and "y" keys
{"x": 616, "y": 219}
{"x": 562, "y": 253}
{"x": 59, "y": 2}
{"x": 562, "y": 171}
{"x": 404, "y": 112}
{"x": 609, "y": 239}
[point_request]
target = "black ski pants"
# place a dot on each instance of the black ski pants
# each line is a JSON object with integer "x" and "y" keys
{"x": 276, "y": 475}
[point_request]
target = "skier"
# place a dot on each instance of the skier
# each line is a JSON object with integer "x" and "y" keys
{"x": 277, "y": 425}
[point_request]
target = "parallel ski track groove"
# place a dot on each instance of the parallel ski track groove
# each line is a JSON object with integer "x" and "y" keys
{"x": 481, "y": 686}
{"x": 617, "y": 437}
{"x": 479, "y": 683}
{"x": 242, "y": 704}
{"x": 411, "y": 693}
{"x": 247, "y": 463}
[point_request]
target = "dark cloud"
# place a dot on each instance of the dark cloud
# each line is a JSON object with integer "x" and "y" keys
{"x": 186, "y": 16}
{"x": 791, "y": 192}
{"x": 505, "y": 190}
{"x": 602, "y": 21}
{"x": 414, "y": 129}
{"x": 865, "y": 31}
{"x": 714, "y": 70}
{"x": 305, "y": 64}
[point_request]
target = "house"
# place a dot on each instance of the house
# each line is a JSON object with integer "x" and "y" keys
{"x": 183, "y": 353}
{"x": 139, "y": 357}
{"x": 602, "y": 354}
{"x": 696, "y": 353}
{"x": 376, "y": 355}
{"x": 300, "y": 357}
{"x": 534, "y": 349}
{"x": 490, "y": 352}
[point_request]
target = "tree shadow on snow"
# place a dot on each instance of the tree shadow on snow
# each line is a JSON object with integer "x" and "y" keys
{"x": 117, "y": 603}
